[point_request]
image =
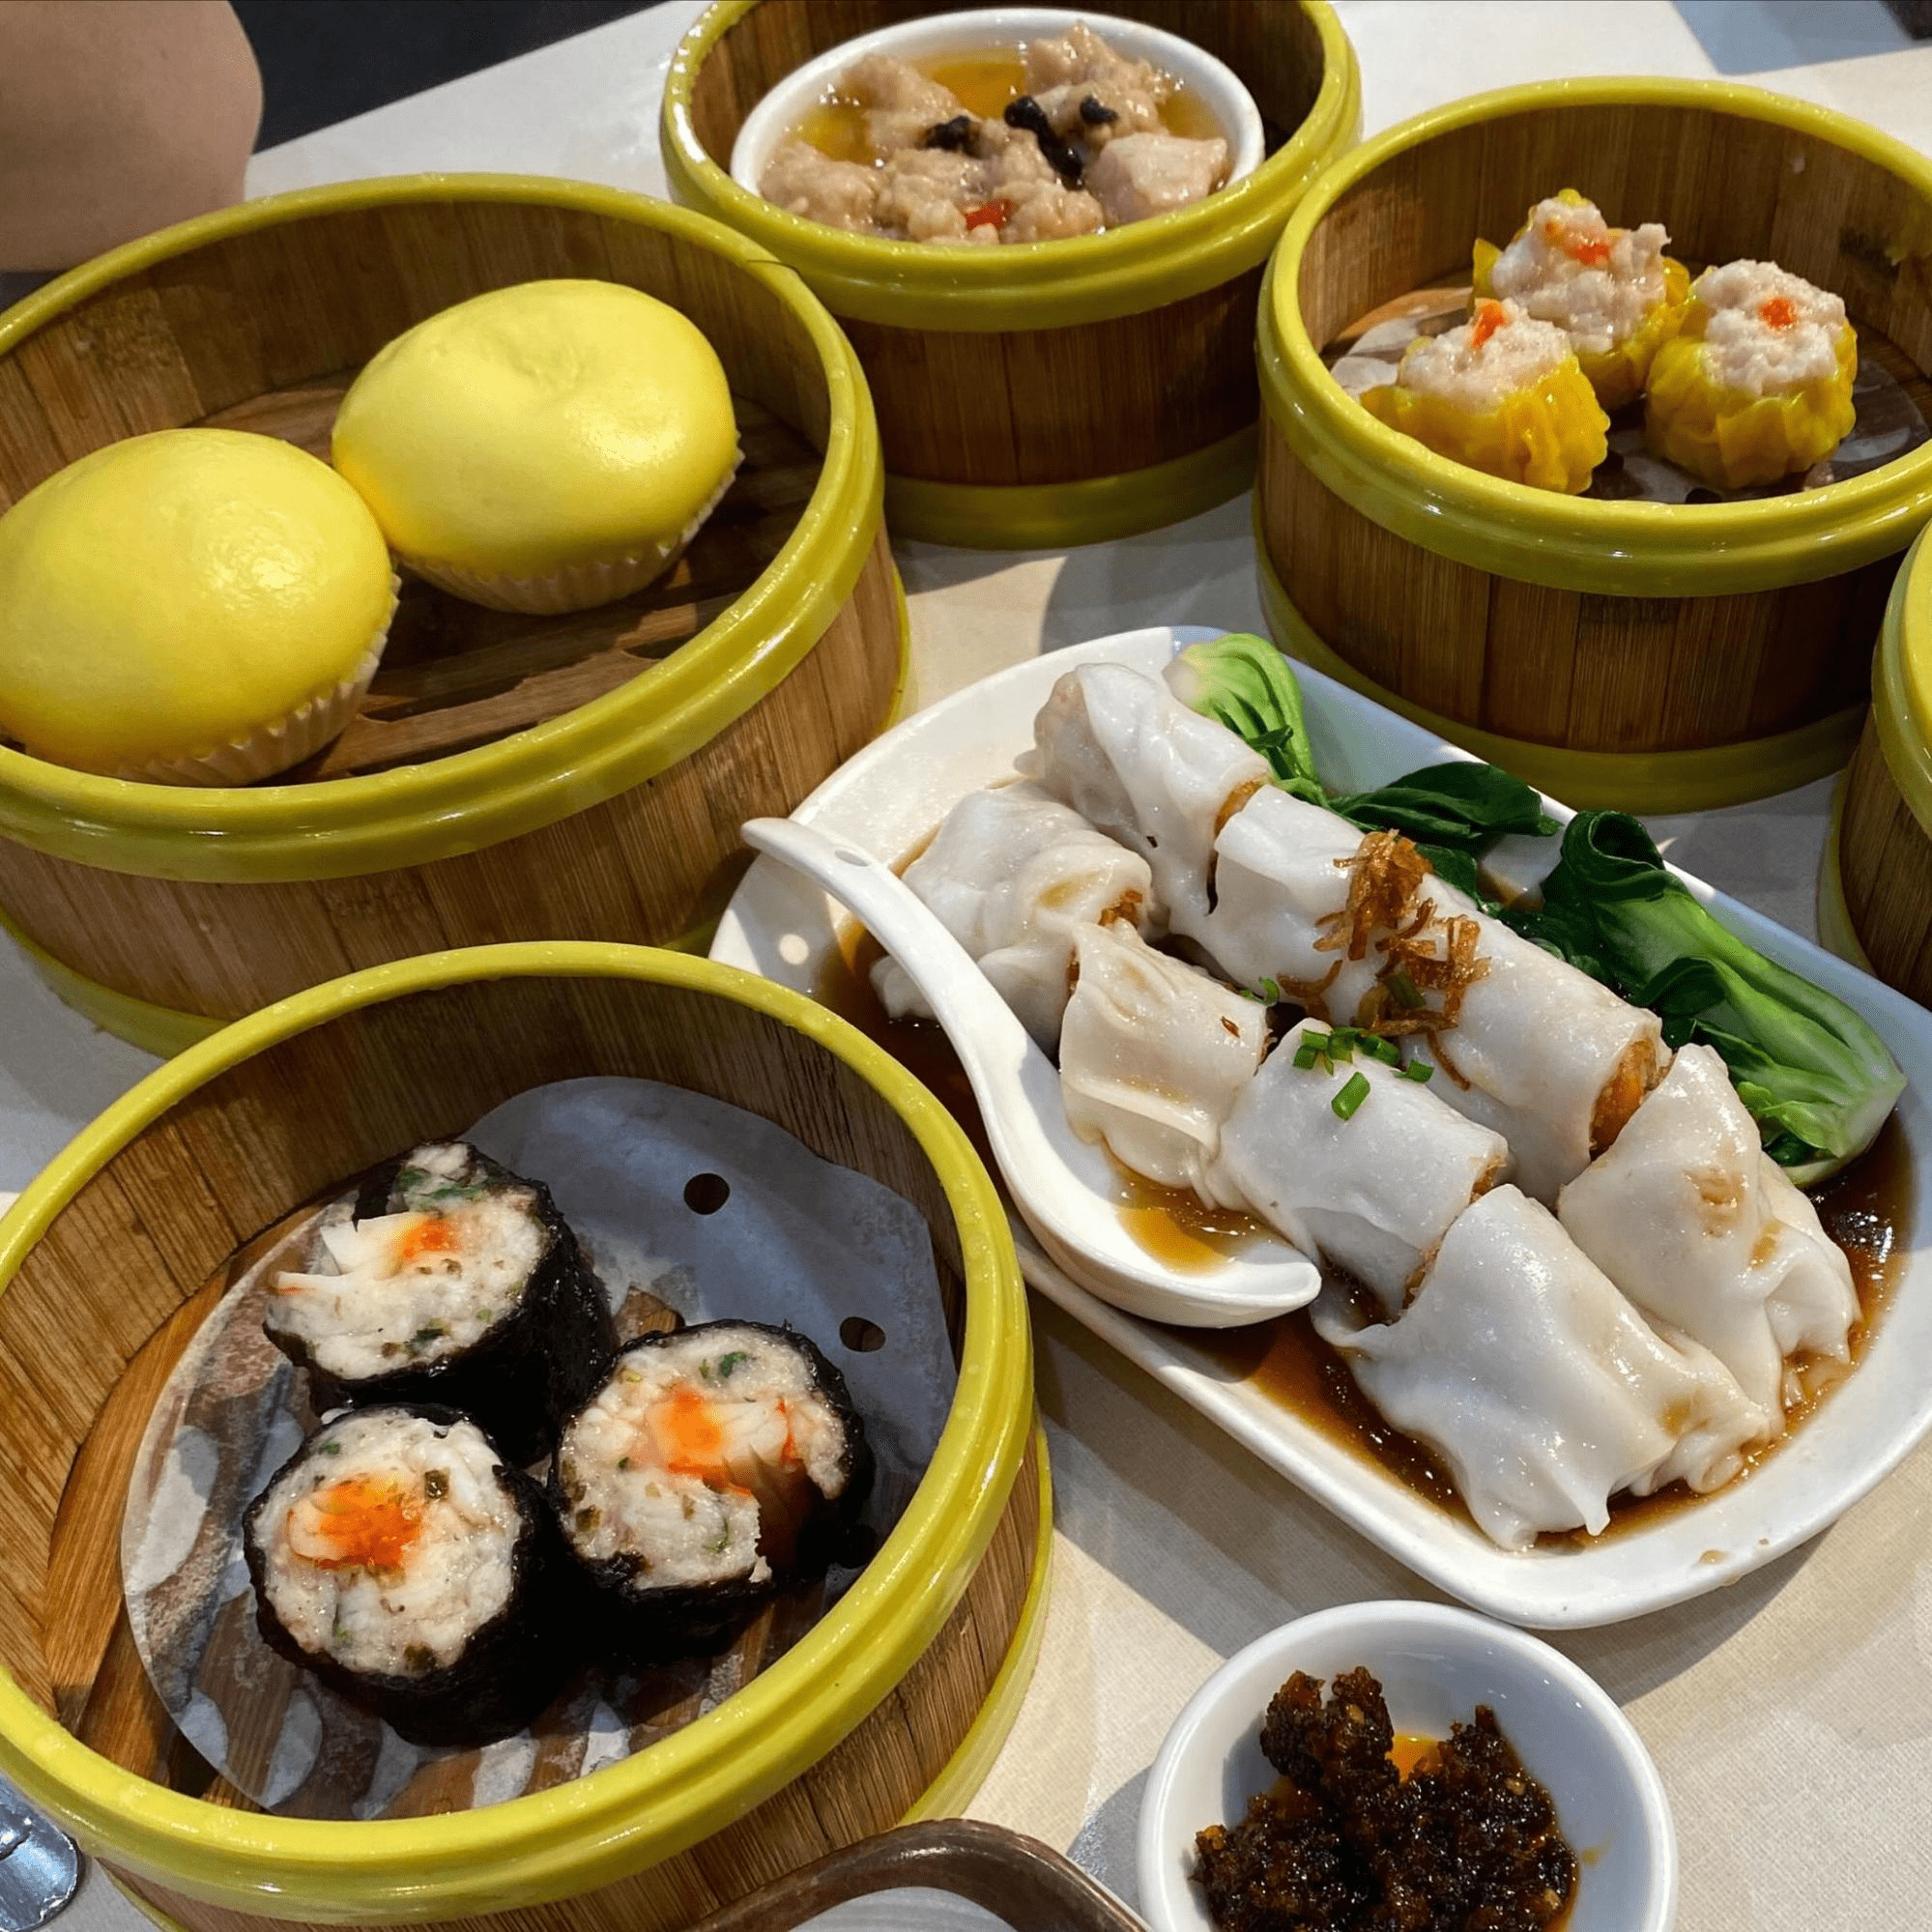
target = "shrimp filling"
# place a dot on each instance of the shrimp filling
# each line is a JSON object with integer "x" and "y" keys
{"x": 390, "y": 1542}
{"x": 404, "y": 1289}
{"x": 700, "y": 1458}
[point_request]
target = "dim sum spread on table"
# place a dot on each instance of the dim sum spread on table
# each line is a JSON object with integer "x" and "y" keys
{"x": 1543, "y": 1150}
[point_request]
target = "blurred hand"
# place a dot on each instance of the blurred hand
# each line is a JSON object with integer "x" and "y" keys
{"x": 118, "y": 116}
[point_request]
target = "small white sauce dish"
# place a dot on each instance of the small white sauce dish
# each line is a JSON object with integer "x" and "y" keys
{"x": 1211, "y": 81}
{"x": 1434, "y": 1664}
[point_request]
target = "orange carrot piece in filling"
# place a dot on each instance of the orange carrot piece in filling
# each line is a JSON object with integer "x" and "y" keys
{"x": 689, "y": 1436}
{"x": 434, "y": 1236}
{"x": 1488, "y": 319}
{"x": 370, "y": 1525}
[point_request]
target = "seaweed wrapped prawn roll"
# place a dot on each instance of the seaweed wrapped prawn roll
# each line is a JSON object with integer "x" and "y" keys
{"x": 399, "y": 1557}
{"x": 444, "y": 1277}
{"x": 715, "y": 1463}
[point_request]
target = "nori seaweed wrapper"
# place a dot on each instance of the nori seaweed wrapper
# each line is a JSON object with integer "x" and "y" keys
{"x": 510, "y": 1667}
{"x": 645, "y": 1625}
{"x": 540, "y": 1363}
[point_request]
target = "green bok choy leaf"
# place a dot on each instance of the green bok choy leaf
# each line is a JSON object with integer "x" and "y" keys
{"x": 1815, "y": 1077}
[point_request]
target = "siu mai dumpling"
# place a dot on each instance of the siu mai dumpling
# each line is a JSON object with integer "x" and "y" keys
{"x": 1012, "y": 874}
{"x": 1542, "y": 1389}
{"x": 1555, "y": 1062}
{"x": 1502, "y": 393}
{"x": 1697, "y": 1226}
{"x": 1136, "y": 763}
{"x": 1153, "y": 1055}
{"x": 1758, "y": 386}
{"x": 1372, "y": 1187}
{"x": 1612, "y": 291}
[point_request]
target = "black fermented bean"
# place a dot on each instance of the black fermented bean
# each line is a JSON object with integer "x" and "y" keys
{"x": 1027, "y": 115}
{"x": 954, "y": 135}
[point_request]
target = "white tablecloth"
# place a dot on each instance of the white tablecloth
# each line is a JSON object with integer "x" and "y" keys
{"x": 1789, "y": 1713}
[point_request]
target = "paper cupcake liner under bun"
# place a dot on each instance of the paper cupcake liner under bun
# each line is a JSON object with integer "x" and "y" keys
{"x": 274, "y": 747}
{"x": 576, "y": 587}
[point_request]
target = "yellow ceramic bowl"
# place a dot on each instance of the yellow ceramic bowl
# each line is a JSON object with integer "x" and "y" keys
{"x": 247, "y": 894}
{"x": 1079, "y": 333}
{"x": 1664, "y": 656}
{"x": 550, "y": 1012}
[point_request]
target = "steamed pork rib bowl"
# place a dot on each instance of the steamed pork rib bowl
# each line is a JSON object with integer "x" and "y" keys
{"x": 1550, "y": 1153}
{"x": 1062, "y": 137}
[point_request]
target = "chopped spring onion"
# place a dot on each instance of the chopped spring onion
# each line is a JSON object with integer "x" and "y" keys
{"x": 1354, "y": 1092}
{"x": 1417, "y": 1070}
{"x": 1404, "y": 991}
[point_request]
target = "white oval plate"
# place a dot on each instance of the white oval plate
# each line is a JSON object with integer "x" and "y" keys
{"x": 893, "y": 794}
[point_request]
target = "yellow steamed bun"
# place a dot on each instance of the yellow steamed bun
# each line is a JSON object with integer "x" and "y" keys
{"x": 540, "y": 429}
{"x": 175, "y": 594}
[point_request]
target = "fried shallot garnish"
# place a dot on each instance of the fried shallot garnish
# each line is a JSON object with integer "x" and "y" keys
{"x": 1433, "y": 957}
{"x": 1385, "y": 872}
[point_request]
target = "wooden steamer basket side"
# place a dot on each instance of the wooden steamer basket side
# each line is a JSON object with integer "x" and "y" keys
{"x": 1661, "y": 656}
{"x": 506, "y": 777}
{"x": 1875, "y": 888}
{"x": 895, "y": 1702}
{"x": 1054, "y": 393}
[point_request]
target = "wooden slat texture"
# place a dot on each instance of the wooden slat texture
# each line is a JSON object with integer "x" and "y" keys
{"x": 1884, "y": 863}
{"x": 1612, "y": 673}
{"x": 108, "y": 1300}
{"x": 1046, "y": 406}
{"x": 262, "y": 330}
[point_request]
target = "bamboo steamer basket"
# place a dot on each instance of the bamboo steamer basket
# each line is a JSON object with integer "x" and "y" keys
{"x": 1663, "y": 658}
{"x": 1054, "y": 392}
{"x": 507, "y": 777}
{"x": 893, "y": 1706}
{"x": 1875, "y": 896}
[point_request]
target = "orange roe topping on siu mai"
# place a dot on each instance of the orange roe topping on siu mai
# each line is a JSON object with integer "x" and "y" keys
{"x": 356, "y": 1524}
{"x": 1592, "y": 250}
{"x": 1778, "y": 312}
{"x": 1488, "y": 319}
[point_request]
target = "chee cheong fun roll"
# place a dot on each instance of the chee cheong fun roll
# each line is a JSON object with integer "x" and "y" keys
{"x": 1550, "y": 1058}
{"x": 1153, "y": 1055}
{"x": 447, "y": 1279}
{"x": 1135, "y": 762}
{"x": 1693, "y": 1221}
{"x": 716, "y": 1463}
{"x": 1542, "y": 1389}
{"x": 1612, "y": 291}
{"x": 1298, "y": 891}
{"x": 1011, "y": 873}
{"x": 399, "y": 1558}
{"x": 1501, "y": 393}
{"x": 1758, "y": 385}
{"x": 1372, "y": 1186}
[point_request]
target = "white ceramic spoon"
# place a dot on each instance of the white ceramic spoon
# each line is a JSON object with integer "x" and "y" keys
{"x": 1066, "y": 1187}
